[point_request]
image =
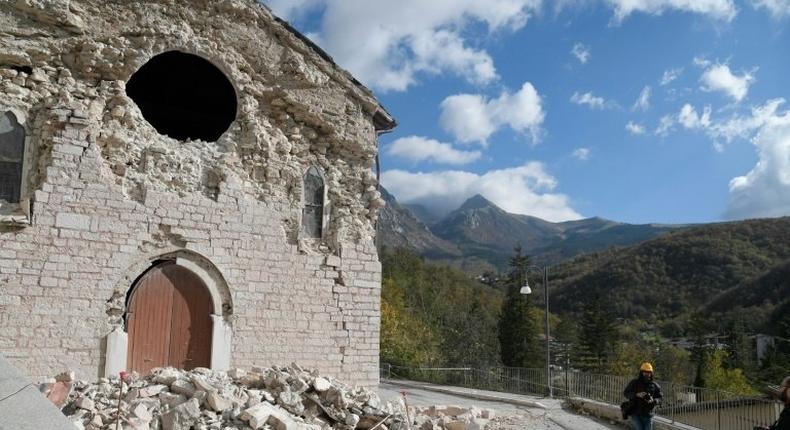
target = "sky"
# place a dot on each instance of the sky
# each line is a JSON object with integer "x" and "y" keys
{"x": 640, "y": 111}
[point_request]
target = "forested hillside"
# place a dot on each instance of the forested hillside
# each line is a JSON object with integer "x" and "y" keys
{"x": 717, "y": 267}
{"x": 433, "y": 314}
{"x": 610, "y": 309}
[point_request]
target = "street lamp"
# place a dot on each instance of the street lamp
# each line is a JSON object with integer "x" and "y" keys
{"x": 527, "y": 290}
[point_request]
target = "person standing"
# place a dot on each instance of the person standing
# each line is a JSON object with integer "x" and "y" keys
{"x": 644, "y": 395}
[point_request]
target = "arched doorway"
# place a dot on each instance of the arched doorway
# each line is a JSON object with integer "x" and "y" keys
{"x": 169, "y": 320}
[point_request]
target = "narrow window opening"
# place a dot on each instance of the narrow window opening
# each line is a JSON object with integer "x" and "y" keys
{"x": 313, "y": 214}
{"x": 12, "y": 153}
{"x": 184, "y": 96}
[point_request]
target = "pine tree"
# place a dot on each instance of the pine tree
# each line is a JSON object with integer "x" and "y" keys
{"x": 700, "y": 351}
{"x": 517, "y": 331}
{"x": 597, "y": 335}
{"x": 566, "y": 333}
{"x": 741, "y": 353}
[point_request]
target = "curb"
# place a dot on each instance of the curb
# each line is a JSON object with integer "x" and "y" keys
{"x": 471, "y": 395}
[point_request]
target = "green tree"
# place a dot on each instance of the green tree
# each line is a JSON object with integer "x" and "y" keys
{"x": 775, "y": 365}
{"x": 467, "y": 329}
{"x": 627, "y": 358}
{"x": 698, "y": 327}
{"x": 718, "y": 377}
{"x": 741, "y": 353}
{"x": 597, "y": 334}
{"x": 517, "y": 331}
{"x": 434, "y": 314}
{"x": 674, "y": 364}
{"x": 565, "y": 332}
{"x": 405, "y": 338}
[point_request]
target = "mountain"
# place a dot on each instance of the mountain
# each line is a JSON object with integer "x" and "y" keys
{"x": 710, "y": 269}
{"x": 398, "y": 227}
{"x": 422, "y": 214}
{"x": 482, "y": 229}
{"x": 479, "y": 236}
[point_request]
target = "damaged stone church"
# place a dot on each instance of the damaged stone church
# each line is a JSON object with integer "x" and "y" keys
{"x": 183, "y": 183}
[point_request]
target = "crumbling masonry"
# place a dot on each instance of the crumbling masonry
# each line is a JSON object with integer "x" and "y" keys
{"x": 179, "y": 145}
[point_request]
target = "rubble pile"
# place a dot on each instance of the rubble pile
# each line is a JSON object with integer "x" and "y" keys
{"x": 450, "y": 418}
{"x": 278, "y": 398}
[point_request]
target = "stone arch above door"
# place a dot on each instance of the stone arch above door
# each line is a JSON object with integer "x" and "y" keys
{"x": 117, "y": 345}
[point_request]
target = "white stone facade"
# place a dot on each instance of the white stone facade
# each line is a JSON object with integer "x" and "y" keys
{"x": 104, "y": 195}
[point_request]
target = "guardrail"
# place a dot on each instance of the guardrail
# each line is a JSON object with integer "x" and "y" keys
{"x": 693, "y": 406}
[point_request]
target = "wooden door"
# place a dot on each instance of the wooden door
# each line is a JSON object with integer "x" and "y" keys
{"x": 169, "y": 320}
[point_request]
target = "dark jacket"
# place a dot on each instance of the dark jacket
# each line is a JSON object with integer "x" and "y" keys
{"x": 784, "y": 420}
{"x": 643, "y": 407}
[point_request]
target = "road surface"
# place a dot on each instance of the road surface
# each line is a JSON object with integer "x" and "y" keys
{"x": 508, "y": 416}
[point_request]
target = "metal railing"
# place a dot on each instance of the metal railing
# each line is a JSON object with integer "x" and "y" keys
{"x": 692, "y": 406}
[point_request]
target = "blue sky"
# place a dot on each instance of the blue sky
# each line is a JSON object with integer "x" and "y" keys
{"x": 640, "y": 111}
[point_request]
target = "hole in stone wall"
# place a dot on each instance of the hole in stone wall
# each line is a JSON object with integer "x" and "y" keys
{"x": 184, "y": 96}
{"x": 23, "y": 69}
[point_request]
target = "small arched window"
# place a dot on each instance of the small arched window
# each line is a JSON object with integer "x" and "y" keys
{"x": 12, "y": 153}
{"x": 313, "y": 213}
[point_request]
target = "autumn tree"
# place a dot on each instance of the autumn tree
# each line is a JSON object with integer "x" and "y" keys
{"x": 405, "y": 338}
{"x": 718, "y": 377}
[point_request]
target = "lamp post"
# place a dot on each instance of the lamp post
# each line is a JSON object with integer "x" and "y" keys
{"x": 527, "y": 290}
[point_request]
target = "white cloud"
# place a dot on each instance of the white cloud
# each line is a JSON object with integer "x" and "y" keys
{"x": 582, "y": 154}
{"x": 765, "y": 190}
{"x": 643, "y": 102}
{"x": 473, "y": 118}
{"x": 418, "y": 148}
{"x": 723, "y": 10}
{"x": 292, "y": 9}
{"x": 388, "y": 45}
{"x": 701, "y": 61}
{"x": 718, "y": 77}
{"x": 742, "y": 127}
{"x": 665, "y": 125}
{"x": 635, "y": 128}
{"x": 581, "y": 52}
{"x": 777, "y": 8}
{"x": 589, "y": 99}
{"x": 670, "y": 75}
{"x": 526, "y": 189}
{"x": 721, "y": 131}
{"x": 689, "y": 118}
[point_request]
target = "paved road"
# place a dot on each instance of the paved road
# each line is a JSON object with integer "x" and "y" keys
{"x": 510, "y": 417}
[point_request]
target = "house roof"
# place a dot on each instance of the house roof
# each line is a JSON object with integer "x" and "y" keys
{"x": 382, "y": 119}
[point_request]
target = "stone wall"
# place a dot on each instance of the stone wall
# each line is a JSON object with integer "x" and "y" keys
{"x": 105, "y": 195}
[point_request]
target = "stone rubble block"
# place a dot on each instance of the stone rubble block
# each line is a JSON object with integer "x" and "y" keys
{"x": 450, "y": 418}
{"x": 277, "y": 398}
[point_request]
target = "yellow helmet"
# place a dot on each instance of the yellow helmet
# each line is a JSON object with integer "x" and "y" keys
{"x": 646, "y": 367}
